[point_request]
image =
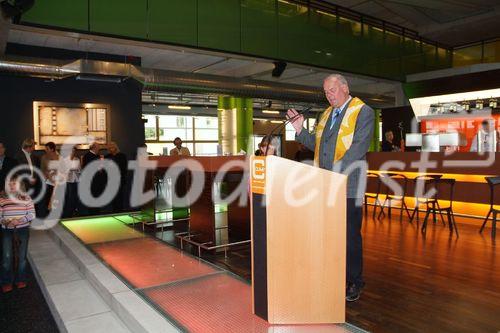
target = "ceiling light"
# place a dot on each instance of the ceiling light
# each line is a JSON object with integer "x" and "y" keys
{"x": 179, "y": 107}
{"x": 271, "y": 111}
{"x": 277, "y": 121}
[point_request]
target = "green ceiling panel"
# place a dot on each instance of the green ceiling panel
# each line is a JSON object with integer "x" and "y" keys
{"x": 259, "y": 22}
{"x": 119, "y": 17}
{"x": 68, "y": 14}
{"x": 219, "y": 24}
{"x": 173, "y": 21}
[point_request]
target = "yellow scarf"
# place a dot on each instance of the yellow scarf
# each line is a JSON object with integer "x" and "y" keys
{"x": 346, "y": 132}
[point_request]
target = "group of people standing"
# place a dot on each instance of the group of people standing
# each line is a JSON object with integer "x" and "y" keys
{"x": 50, "y": 171}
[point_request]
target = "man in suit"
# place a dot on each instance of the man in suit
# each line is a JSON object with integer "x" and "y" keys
{"x": 120, "y": 159}
{"x": 6, "y": 165}
{"x": 99, "y": 181}
{"x": 340, "y": 143}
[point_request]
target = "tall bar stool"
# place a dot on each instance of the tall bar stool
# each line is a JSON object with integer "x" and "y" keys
{"x": 429, "y": 182}
{"x": 391, "y": 195}
{"x": 492, "y": 183}
{"x": 444, "y": 188}
{"x": 374, "y": 196}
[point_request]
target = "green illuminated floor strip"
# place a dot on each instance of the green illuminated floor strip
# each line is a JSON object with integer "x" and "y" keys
{"x": 101, "y": 229}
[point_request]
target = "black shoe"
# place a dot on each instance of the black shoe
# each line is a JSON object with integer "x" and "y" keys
{"x": 352, "y": 292}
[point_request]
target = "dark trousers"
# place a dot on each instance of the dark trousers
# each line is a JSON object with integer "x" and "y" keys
{"x": 8, "y": 275}
{"x": 70, "y": 200}
{"x": 354, "y": 243}
{"x": 49, "y": 190}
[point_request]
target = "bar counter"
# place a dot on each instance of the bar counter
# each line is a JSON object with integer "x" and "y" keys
{"x": 471, "y": 195}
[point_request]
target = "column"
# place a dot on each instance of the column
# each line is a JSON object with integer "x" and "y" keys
{"x": 235, "y": 124}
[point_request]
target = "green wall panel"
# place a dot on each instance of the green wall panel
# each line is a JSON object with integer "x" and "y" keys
{"x": 69, "y": 14}
{"x": 173, "y": 21}
{"x": 259, "y": 23}
{"x": 268, "y": 28}
{"x": 293, "y": 39}
{"x": 219, "y": 24}
{"x": 119, "y": 17}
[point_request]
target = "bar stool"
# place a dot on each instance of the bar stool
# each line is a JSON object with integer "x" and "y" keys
{"x": 373, "y": 195}
{"x": 391, "y": 195}
{"x": 492, "y": 183}
{"x": 443, "y": 187}
{"x": 429, "y": 183}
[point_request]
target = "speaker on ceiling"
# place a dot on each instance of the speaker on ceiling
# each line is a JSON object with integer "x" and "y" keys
{"x": 14, "y": 8}
{"x": 279, "y": 68}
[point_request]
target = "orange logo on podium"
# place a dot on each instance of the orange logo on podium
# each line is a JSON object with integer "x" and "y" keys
{"x": 258, "y": 183}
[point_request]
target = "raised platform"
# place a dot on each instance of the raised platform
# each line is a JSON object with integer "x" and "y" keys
{"x": 153, "y": 287}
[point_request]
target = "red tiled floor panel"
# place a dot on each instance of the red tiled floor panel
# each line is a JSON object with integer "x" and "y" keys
{"x": 220, "y": 303}
{"x": 145, "y": 262}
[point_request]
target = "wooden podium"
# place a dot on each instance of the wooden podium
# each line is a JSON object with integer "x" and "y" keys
{"x": 298, "y": 230}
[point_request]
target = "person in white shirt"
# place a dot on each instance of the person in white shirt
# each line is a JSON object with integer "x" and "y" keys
{"x": 179, "y": 150}
{"x": 49, "y": 171}
{"x": 71, "y": 169}
{"x": 489, "y": 138}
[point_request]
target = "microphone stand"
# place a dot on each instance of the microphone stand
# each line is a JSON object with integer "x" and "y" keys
{"x": 280, "y": 126}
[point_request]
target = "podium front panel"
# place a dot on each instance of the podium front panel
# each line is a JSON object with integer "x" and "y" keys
{"x": 298, "y": 242}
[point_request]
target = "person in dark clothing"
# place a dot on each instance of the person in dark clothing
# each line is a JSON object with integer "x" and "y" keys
{"x": 304, "y": 154}
{"x": 6, "y": 165}
{"x": 98, "y": 183}
{"x": 121, "y": 162}
{"x": 388, "y": 143}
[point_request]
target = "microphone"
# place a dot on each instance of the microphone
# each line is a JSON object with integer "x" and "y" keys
{"x": 304, "y": 112}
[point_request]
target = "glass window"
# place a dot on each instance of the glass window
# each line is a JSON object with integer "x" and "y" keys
{"x": 171, "y": 127}
{"x": 311, "y": 124}
{"x": 256, "y": 141}
{"x": 164, "y": 148}
{"x": 150, "y": 127}
{"x": 205, "y": 148}
{"x": 289, "y": 132}
{"x": 206, "y": 128}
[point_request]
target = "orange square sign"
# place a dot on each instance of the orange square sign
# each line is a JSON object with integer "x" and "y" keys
{"x": 258, "y": 168}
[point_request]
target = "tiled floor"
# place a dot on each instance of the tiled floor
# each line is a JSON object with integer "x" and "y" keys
{"x": 77, "y": 306}
{"x": 196, "y": 295}
{"x": 146, "y": 262}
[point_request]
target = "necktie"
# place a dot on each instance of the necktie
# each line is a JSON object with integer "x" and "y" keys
{"x": 335, "y": 115}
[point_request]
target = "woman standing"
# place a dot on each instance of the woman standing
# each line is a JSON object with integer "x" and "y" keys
{"x": 70, "y": 171}
{"x": 16, "y": 213}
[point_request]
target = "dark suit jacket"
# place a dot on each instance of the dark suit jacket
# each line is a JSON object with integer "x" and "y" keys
{"x": 121, "y": 162}
{"x": 89, "y": 157}
{"x": 356, "y": 181}
{"x": 99, "y": 180}
{"x": 7, "y": 166}
{"x": 21, "y": 160}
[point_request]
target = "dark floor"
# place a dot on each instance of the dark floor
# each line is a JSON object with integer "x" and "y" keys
{"x": 416, "y": 282}
{"x": 25, "y": 310}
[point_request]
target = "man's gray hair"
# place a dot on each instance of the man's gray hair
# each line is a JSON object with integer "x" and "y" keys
{"x": 337, "y": 77}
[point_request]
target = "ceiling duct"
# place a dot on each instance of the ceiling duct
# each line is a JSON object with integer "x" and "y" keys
{"x": 172, "y": 81}
{"x": 164, "y": 80}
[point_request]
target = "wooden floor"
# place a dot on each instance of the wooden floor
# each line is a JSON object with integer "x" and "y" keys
{"x": 428, "y": 283}
{"x": 419, "y": 283}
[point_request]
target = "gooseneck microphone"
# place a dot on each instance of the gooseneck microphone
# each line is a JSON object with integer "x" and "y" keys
{"x": 304, "y": 112}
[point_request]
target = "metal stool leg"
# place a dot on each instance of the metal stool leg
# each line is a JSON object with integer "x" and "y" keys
{"x": 486, "y": 220}
{"x": 454, "y": 223}
{"x": 424, "y": 224}
{"x": 407, "y": 210}
{"x": 494, "y": 225}
{"x": 382, "y": 209}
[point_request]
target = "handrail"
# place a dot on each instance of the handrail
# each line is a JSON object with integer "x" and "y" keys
{"x": 366, "y": 19}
